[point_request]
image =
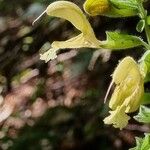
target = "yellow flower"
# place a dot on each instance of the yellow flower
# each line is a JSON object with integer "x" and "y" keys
{"x": 72, "y": 13}
{"x": 128, "y": 92}
{"x": 111, "y": 8}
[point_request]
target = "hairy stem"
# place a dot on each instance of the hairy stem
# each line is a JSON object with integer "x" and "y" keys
{"x": 143, "y": 15}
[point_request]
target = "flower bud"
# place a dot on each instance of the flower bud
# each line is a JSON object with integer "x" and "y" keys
{"x": 111, "y": 8}
{"x": 96, "y": 7}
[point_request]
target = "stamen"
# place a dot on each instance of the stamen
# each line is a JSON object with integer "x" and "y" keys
{"x": 38, "y": 17}
{"x": 108, "y": 91}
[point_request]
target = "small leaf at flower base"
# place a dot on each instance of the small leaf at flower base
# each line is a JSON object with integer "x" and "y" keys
{"x": 145, "y": 65}
{"x": 140, "y": 26}
{"x": 143, "y": 115}
{"x": 116, "y": 40}
{"x": 142, "y": 143}
{"x": 146, "y": 59}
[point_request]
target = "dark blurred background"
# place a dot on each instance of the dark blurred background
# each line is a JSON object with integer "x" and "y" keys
{"x": 57, "y": 105}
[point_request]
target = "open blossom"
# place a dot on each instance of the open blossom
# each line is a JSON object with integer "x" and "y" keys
{"x": 128, "y": 92}
{"x": 86, "y": 38}
{"x": 72, "y": 13}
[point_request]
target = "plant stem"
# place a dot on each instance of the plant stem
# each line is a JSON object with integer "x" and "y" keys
{"x": 147, "y": 31}
{"x": 147, "y": 46}
{"x": 143, "y": 15}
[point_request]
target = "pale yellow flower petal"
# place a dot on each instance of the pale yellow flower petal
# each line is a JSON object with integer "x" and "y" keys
{"x": 71, "y": 12}
{"x": 118, "y": 118}
{"x": 75, "y": 42}
{"x": 124, "y": 67}
{"x": 133, "y": 102}
{"x": 129, "y": 85}
{"x": 49, "y": 55}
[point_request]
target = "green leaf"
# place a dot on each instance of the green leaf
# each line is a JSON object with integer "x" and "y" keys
{"x": 123, "y": 8}
{"x": 125, "y": 4}
{"x": 138, "y": 143}
{"x": 145, "y": 65}
{"x": 142, "y": 143}
{"x": 146, "y": 143}
{"x": 143, "y": 115}
{"x": 116, "y": 40}
{"x": 140, "y": 26}
{"x": 146, "y": 59}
